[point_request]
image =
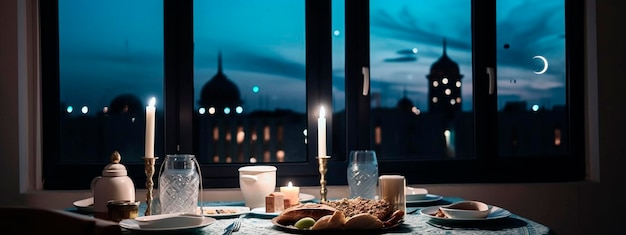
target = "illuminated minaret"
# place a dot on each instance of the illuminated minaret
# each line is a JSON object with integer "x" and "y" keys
{"x": 444, "y": 90}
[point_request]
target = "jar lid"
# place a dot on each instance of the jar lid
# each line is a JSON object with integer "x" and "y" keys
{"x": 114, "y": 168}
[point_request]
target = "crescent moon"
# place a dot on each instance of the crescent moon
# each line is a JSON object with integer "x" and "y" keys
{"x": 545, "y": 64}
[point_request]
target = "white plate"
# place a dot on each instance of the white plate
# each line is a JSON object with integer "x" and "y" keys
{"x": 306, "y": 197}
{"x": 261, "y": 211}
{"x": 84, "y": 205}
{"x": 496, "y": 213}
{"x": 230, "y": 211}
{"x": 131, "y": 224}
{"x": 428, "y": 198}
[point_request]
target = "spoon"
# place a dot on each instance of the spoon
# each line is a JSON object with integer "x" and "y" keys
{"x": 169, "y": 220}
{"x": 466, "y": 210}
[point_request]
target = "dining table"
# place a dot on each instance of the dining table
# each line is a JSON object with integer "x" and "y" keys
{"x": 414, "y": 222}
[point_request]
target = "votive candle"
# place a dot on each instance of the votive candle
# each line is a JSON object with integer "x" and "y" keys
{"x": 292, "y": 193}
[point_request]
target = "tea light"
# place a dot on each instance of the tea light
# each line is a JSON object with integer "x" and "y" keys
{"x": 292, "y": 193}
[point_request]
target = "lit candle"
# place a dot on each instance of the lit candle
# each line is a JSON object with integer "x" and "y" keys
{"x": 150, "y": 125}
{"x": 292, "y": 193}
{"x": 321, "y": 133}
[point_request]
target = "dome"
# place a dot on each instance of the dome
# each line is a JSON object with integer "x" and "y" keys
{"x": 444, "y": 66}
{"x": 126, "y": 103}
{"x": 404, "y": 103}
{"x": 220, "y": 91}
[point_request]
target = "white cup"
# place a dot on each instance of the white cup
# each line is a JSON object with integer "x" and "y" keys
{"x": 392, "y": 190}
{"x": 256, "y": 182}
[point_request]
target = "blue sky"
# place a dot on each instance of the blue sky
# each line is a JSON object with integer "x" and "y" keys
{"x": 108, "y": 50}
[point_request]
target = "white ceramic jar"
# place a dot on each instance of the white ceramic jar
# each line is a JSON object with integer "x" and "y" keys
{"x": 114, "y": 184}
{"x": 256, "y": 182}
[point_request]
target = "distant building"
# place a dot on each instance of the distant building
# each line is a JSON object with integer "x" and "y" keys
{"x": 444, "y": 90}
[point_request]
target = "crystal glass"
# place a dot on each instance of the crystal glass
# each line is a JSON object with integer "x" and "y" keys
{"x": 179, "y": 184}
{"x": 362, "y": 174}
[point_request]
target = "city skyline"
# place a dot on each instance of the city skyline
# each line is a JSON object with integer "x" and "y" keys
{"x": 103, "y": 58}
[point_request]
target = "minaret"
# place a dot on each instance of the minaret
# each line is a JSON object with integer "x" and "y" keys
{"x": 444, "y": 89}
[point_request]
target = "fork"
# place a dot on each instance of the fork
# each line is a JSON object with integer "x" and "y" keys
{"x": 235, "y": 226}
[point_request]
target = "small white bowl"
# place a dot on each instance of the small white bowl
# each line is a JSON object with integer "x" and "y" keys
{"x": 466, "y": 210}
{"x": 414, "y": 194}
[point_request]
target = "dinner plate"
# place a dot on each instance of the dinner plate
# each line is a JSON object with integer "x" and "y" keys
{"x": 84, "y": 205}
{"x": 428, "y": 198}
{"x": 306, "y": 197}
{"x": 293, "y": 229}
{"x": 224, "y": 211}
{"x": 260, "y": 211}
{"x": 131, "y": 224}
{"x": 494, "y": 214}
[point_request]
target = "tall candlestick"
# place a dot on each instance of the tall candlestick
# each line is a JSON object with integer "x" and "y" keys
{"x": 150, "y": 125}
{"x": 321, "y": 133}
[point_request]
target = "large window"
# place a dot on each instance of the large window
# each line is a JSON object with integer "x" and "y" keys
{"x": 490, "y": 90}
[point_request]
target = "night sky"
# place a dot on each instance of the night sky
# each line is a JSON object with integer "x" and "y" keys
{"x": 109, "y": 48}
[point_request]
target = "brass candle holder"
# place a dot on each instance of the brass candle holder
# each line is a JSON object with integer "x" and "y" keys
{"x": 323, "y": 168}
{"x": 149, "y": 170}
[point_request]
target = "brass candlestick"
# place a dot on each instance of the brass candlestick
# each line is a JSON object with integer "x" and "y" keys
{"x": 149, "y": 170}
{"x": 323, "y": 167}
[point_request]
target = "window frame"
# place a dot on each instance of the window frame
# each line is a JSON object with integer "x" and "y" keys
{"x": 486, "y": 167}
{"x": 178, "y": 30}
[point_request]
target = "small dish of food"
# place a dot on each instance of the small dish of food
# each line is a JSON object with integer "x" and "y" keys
{"x": 466, "y": 209}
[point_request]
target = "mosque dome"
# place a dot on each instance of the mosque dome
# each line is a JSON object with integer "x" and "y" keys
{"x": 220, "y": 92}
{"x": 405, "y": 104}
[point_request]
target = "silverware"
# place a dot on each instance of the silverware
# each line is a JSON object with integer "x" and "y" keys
{"x": 234, "y": 226}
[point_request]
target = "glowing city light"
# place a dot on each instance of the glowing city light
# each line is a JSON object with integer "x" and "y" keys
{"x": 201, "y": 110}
{"x": 84, "y": 109}
{"x": 239, "y": 109}
{"x": 69, "y": 109}
{"x": 535, "y": 107}
{"x": 256, "y": 89}
{"x": 227, "y": 110}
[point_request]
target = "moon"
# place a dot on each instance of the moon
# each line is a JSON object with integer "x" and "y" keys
{"x": 545, "y": 64}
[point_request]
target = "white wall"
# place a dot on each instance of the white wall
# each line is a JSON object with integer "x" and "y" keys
{"x": 568, "y": 208}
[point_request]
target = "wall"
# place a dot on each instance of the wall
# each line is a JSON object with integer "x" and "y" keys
{"x": 568, "y": 208}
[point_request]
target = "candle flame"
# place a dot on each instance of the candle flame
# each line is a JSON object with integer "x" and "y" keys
{"x": 152, "y": 102}
{"x": 289, "y": 184}
{"x": 322, "y": 112}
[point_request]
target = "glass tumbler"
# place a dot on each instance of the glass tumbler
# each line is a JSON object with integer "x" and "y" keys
{"x": 362, "y": 174}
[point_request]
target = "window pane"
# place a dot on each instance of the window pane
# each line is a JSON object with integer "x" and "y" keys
{"x": 111, "y": 64}
{"x": 249, "y": 81}
{"x": 421, "y": 79}
{"x": 531, "y": 67}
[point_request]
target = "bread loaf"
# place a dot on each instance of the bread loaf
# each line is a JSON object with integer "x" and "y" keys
{"x": 314, "y": 210}
{"x": 330, "y": 222}
{"x": 363, "y": 221}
